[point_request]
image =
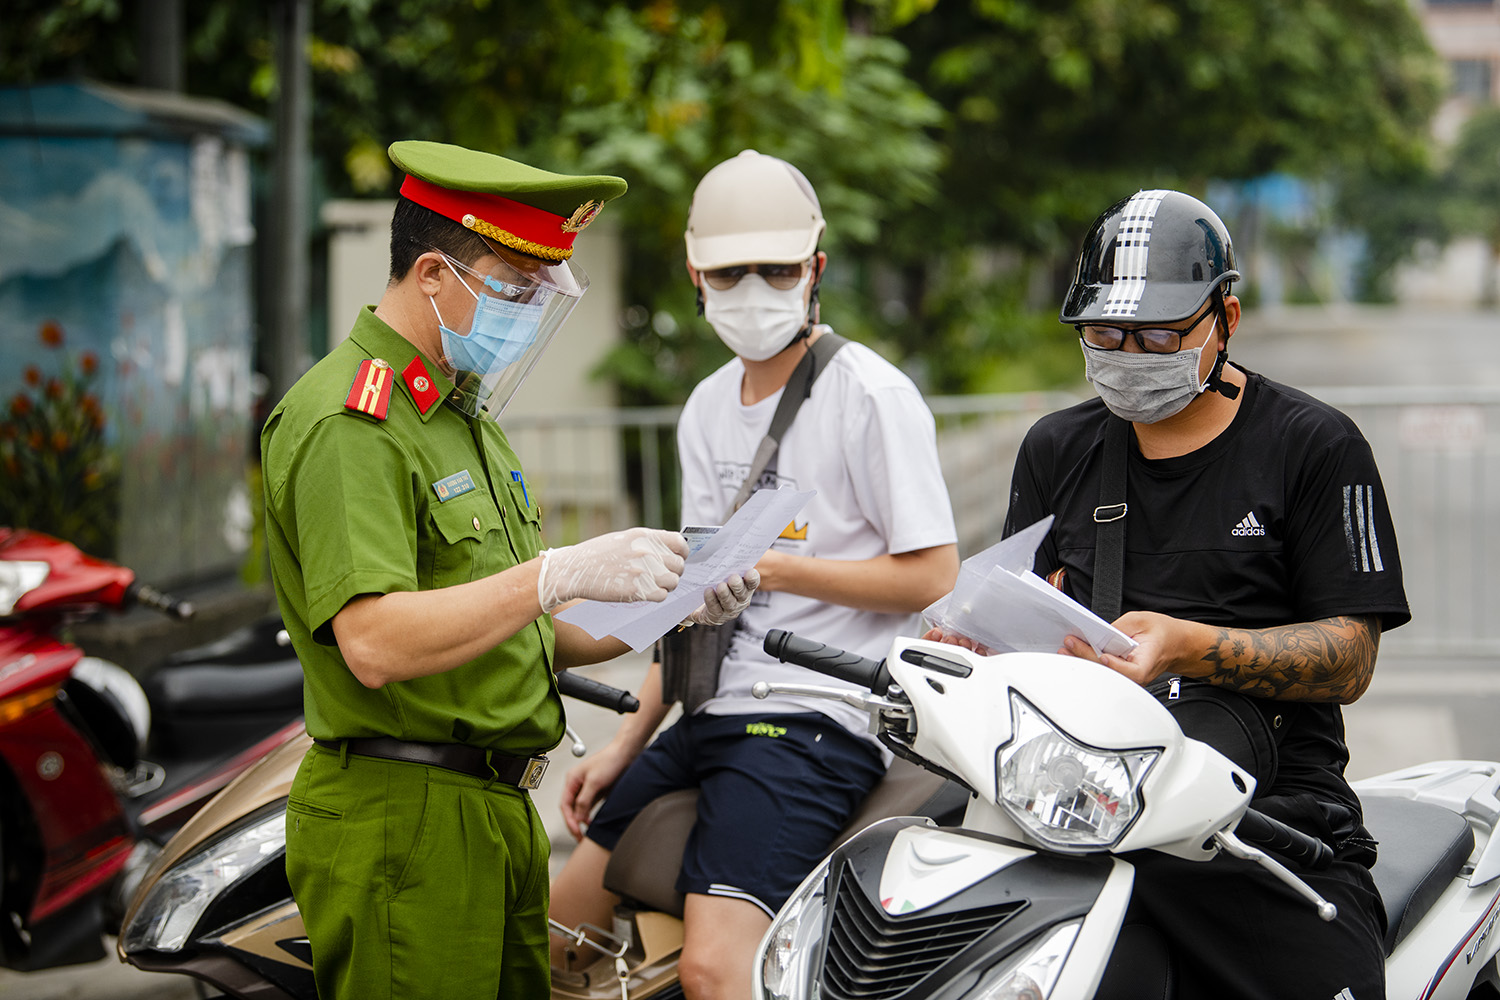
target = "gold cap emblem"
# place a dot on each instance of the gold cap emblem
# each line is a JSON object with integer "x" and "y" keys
{"x": 582, "y": 216}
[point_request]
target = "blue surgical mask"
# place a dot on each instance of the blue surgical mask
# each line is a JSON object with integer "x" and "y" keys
{"x": 500, "y": 332}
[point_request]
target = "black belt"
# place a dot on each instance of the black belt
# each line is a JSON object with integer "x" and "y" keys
{"x": 522, "y": 772}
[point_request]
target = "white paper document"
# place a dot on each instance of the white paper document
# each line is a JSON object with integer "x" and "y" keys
{"x": 998, "y": 601}
{"x": 734, "y": 548}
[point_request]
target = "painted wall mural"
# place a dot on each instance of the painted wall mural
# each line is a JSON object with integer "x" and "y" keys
{"x": 126, "y": 328}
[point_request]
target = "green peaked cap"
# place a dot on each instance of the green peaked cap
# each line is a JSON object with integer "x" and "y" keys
{"x": 460, "y": 169}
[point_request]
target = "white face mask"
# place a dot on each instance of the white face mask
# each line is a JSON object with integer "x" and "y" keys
{"x": 1144, "y": 388}
{"x": 753, "y": 319}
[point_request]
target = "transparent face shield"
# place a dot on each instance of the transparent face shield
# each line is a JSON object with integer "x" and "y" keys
{"x": 520, "y": 303}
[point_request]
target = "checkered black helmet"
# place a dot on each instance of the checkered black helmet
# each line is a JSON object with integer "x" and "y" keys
{"x": 1155, "y": 257}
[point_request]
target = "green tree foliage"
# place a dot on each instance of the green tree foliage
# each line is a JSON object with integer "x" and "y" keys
{"x": 701, "y": 99}
{"x": 960, "y": 149}
{"x": 1396, "y": 208}
{"x": 1060, "y": 107}
{"x": 657, "y": 92}
{"x": 1472, "y": 186}
{"x": 660, "y": 93}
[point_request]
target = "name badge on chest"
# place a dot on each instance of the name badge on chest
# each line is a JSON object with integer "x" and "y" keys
{"x": 452, "y": 486}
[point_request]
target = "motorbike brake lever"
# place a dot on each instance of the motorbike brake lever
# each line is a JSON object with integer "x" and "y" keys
{"x": 859, "y": 699}
{"x": 1239, "y": 849}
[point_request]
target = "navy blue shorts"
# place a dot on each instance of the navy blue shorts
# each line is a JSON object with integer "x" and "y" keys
{"x": 774, "y": 790}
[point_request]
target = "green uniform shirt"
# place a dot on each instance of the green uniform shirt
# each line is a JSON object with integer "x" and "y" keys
{"x": 352, "y": 507}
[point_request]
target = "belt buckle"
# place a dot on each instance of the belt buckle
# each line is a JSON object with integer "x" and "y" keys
{"x": 531, "y": 778}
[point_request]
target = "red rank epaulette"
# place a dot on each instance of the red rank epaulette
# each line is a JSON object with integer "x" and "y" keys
{"x": 371, "y": 392}
{"x": 423, "y": 392}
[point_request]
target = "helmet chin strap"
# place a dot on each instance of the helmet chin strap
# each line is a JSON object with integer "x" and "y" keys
{"x": 812, "y": 308}
{"x": 1216, "y": 382}
{"x": 801, "y": 334}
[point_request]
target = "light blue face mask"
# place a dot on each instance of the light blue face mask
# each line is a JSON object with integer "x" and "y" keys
{"x": 500, "y": 332}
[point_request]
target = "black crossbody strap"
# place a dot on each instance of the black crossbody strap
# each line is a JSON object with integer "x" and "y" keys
{"x": 1109, "y": 520}
{"x": 690, "y": 660}
{"x": 798, "y": 388}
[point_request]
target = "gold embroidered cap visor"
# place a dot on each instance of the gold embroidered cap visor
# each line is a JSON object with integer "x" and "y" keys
{"x": 516, "y": 313}
{"x": 536, "y": 212}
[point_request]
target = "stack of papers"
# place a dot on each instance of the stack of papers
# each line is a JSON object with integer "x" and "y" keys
{"x": 999, "y": 602}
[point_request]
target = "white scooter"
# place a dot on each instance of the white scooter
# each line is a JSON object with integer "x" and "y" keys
{"x": 1072, "y": 763}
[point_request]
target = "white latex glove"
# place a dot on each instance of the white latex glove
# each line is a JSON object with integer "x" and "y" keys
{"x": 723, "y": 603}
{"x": 638, "y": 564}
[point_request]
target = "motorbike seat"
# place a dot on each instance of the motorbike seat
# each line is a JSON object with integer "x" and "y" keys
{"x": 220, "y": 689}
{"x": 258, "y": 642}
{"x": 1422, "y": 847}
{"x": 644, "y": 865}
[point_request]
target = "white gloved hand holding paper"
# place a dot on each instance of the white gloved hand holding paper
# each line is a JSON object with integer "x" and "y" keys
{"x": 638, "y": 564}
{"x": 740, "y": 541}
{"x": 724, "y": 602}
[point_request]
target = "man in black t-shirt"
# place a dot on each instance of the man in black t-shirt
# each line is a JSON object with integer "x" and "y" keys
{"x": 1259, "y": 555}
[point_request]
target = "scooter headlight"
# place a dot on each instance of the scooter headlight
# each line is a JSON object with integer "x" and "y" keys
{"x": 1069, "y": 796}
{"x": 792, "y": 941}
{"x": 1030, "y": 974}
{"x": 175, "y": 903}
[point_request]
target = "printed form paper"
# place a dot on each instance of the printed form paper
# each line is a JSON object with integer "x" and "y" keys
{"x": 998, "y": 601}
{"x": 734, "y": 548}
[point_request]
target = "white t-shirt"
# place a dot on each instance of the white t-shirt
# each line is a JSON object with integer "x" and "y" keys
{"x": 866, "y": 442}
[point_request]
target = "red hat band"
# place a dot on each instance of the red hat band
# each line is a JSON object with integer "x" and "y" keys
{"x": 521, "y": 227}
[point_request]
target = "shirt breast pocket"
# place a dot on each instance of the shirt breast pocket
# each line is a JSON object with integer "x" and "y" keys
{"x": 528, "y": 537}
{"x": 465, "y": 529}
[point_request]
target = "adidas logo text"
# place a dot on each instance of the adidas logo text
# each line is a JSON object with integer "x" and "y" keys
{"x": 1248, "y": 526}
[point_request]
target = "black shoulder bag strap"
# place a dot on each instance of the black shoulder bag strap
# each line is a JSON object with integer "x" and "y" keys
{"x": 1226, "y": 720}
{"x": 690, "y": 658}
{"x": 798, "y": 388}
{"x": 1109, "y": 520}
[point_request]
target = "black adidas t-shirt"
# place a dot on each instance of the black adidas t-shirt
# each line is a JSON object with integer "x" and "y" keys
{"x": 1280, "y": 519}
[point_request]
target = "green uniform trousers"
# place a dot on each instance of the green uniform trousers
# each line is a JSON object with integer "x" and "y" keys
{"x": 416, "y": 881}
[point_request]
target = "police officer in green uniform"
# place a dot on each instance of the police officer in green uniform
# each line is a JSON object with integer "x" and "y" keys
{"x": 408, "y": 564}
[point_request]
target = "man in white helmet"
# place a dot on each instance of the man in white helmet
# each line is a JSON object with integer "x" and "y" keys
{"x": 779, "y": 778}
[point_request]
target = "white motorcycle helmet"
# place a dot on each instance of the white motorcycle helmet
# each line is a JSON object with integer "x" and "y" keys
{"x": 753, "y": 209}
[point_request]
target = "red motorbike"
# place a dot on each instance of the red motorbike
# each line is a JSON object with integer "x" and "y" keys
{"x": 97, "y": 770}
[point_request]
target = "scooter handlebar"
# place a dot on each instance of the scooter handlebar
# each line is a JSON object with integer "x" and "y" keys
{"x": 829, "y": 660}
{"x": 596, "y": 693}
{"x": 1268, "y": 834}
{"x": 148, "y": 596}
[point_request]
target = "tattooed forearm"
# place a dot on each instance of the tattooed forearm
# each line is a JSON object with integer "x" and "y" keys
{"x": 1327, "y": 660}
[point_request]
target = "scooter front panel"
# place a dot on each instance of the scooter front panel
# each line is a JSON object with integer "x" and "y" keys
{"x": 925, "y": 866}
{"x": 940, "y": 950}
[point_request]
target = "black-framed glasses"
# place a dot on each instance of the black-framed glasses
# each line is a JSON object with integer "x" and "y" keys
{"x": 780, "y": 276}
{"x": 1152, "y": 340}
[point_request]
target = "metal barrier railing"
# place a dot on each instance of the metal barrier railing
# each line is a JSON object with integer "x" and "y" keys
{"x": 1441, "y": 470}
{"x": 602, "y": 470}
